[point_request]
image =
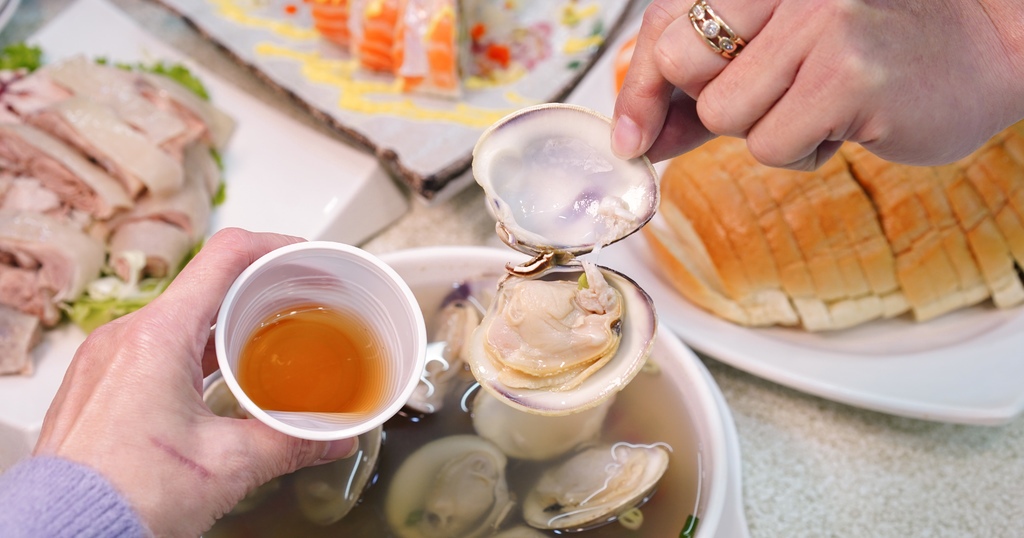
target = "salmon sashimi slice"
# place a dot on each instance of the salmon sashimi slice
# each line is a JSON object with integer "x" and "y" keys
{"x": 330, "y": 18}
{"x": 374, "y": 44}
{"x": 426, "y": 47}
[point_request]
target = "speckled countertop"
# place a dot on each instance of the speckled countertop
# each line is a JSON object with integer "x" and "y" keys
{"x": 810, "y": 467}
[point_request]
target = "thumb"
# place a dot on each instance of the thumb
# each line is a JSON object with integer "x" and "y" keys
{"x": 272, "y": 453}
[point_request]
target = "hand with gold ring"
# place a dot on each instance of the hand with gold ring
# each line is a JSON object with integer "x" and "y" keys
{"x": 914, "y": 81}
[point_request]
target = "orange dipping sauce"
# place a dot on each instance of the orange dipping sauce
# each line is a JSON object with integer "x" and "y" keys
{"x": 312, "y": 358}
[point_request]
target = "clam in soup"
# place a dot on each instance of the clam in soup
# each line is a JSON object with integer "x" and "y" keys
{"x": 472, "y": 441}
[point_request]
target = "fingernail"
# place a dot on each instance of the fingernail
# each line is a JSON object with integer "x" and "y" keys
{"x": 625, "y": 138}
{"x": 339, "y": 450}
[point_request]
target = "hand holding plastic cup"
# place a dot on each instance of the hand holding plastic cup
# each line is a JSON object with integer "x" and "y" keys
{"x": 332, "y": 281}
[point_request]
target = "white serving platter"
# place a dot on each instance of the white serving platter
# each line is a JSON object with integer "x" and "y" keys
{"x": 425, "y": 139}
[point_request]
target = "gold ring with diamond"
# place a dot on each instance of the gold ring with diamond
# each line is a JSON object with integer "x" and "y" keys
{"x": 714, "y": 31}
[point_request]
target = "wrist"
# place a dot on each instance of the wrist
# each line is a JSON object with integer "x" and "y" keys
{"x": 52, "y": 496}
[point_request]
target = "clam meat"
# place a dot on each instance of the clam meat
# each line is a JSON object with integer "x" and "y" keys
{"x": 453, "y": 487}
{"x": 563, "y": 340}
{"x": 595, "y": 485}
{"x": 553, "y": 333}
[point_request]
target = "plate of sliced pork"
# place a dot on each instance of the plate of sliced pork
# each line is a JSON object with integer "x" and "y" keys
{"x": 117, "y": 159}
{"x": 104, "y": 172}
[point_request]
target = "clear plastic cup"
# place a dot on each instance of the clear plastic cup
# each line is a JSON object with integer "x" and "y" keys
{"x": 348, "y": 280}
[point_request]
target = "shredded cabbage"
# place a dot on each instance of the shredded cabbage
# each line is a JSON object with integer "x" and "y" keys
{"x": 109, "y": 297}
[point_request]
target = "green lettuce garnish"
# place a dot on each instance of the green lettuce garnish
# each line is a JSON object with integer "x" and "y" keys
{"x": 89, "y": 312}
{"x": 222, "y": 189}
{"x": 21, "y": 56}
{"x": 177, "y": 72}
{"x": 110, "y": 297}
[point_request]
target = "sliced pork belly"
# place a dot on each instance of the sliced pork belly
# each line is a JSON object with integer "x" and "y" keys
{"x": 44, "y": 260}
{"x": 198, "y": 162}
{"x": 20, "y": 288}
{"x": 167, "y": 93}
{"x": 187, "y": 208}
{"x": 163, "y": 244}
{"x": 117, "y": 89}
{"x": 163, "y": 228}
{"x": 121, "y": 150}
{"x": 7, "y": 115}
{"x": 61, "y": 169}
{"x": 29, "y": 195}
{"x": 30, "y": 93}
{"x": 19, "y": 333}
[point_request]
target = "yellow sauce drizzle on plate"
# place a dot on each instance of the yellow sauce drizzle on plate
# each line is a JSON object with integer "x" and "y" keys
{"x": 237, "y": 12}
{"x": 356, "y": 91}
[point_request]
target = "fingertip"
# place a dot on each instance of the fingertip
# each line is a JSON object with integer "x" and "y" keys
{"x": 339, "y": 450}
{"x": 626, "y": 138}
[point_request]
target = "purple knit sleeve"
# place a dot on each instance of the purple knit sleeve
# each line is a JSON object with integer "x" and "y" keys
{"x": 47, "y": 496}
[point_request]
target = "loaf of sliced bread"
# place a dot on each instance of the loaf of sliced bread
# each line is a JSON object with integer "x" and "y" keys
{"x": 858, "y": 239}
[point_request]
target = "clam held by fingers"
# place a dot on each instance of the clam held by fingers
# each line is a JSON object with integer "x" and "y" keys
{"x": 548, "y": 347}
{"x": 563, "y": 334}
{"x": 554, "y": 185}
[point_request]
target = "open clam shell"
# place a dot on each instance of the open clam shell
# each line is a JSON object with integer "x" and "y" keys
{"x": 637, "y": 330}
{"x": 453, "y": 486}
{"x": 326, "y": 493}
{"x": 594, "y": 486}
{"x": 553, "y": 184}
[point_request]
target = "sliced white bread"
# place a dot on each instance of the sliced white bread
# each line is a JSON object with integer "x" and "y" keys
{"x": 861, "y": 303}
{"x": 857, "y": 239}
{"x": 992, "y": 176}
{"x": 865, "y": 233}
{"x": 739, "y": 241}
{"x": 954, "y": 241}
{"x": 925, "y": 273}
{"x": 793, "y": 272}
{"x": 987, "y": 244}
